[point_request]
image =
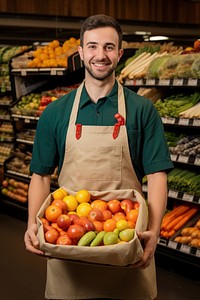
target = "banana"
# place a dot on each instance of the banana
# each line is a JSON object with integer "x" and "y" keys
{"x": 87, "y": 238}
{"x": 98, "y": 239}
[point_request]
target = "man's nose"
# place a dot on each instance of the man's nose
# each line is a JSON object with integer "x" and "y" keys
{"x": 101, "y": 52}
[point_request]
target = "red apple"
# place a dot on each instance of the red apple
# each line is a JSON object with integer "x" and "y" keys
{"x": 73, "y": 217}
{"x": 95, "y": 215}
{"x": 127, "y": 205}
{"x": 63, "y": 221}
{"x": 106, "y": 214}
{"x": 85, "y": 223}
{"x": 64, "y": 240}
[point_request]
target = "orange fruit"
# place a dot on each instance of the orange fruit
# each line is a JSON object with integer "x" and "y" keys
{"x": 109, "y": 225}
{"x": 121, "y": 224}
{"x": 71, "y": 202}
{"x": 132, "y": 215}
{"x": 100, "y": 204}
{"x": 83, "y": 196}
{"x": 98, "y": 225}
{"x": 119, "y": 216}
{"x": 83, "y": 209}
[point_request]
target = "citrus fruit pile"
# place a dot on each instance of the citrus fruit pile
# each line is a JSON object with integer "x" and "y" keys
{"x": 80, "y": 220}
{"x": 54, "y": 54}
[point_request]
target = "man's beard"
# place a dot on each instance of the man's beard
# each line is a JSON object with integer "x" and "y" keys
{"x": 99, "y": 77}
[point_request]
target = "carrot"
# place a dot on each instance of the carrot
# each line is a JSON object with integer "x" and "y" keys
{"x": 171, "y": 233}
{"x": 173, "y": 223}
{"x": 172, "y": 216}
{"x": 188, "y": 215}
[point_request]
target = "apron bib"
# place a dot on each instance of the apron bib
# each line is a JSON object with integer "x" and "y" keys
{"x": 95, "y": 160}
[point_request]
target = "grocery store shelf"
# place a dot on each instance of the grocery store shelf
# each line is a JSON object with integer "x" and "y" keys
{"x": 175, "y": 82}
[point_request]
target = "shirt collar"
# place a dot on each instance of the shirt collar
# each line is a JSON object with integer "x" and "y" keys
{"x": 112, "y": 96}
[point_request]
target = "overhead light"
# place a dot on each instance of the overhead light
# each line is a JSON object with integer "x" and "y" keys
{"x": 142, "y": 33}
{"x": 158, "y": 38}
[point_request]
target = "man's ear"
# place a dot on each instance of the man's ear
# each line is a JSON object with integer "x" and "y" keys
{"x": 121, "y": 52}
{"x": 80, "y": 51}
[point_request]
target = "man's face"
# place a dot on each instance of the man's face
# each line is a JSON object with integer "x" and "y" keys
{"x": 100, "y": 52}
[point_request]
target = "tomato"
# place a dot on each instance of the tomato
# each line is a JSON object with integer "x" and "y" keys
{"x": 197, "y": 44}
{"x": 75, "y": 231}
{"x": 95, "y": 214}
{"x": 64, "y": 240}
{"x": 114, "y": 206}
{"x": 51, "y": 236}
{"x": 63, "y": 221}
{"x": 52, "y": 212}
{"x": 60, "y": 203}
{"x": 73, "y": 217}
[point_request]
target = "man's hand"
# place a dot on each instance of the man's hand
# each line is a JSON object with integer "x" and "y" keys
{"x": 31, "y": 240}
{"x": 149, "y": 240}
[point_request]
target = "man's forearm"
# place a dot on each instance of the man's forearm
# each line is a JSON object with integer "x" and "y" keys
{"x": 157, "y": 200}
{"x": 39, "y": 189}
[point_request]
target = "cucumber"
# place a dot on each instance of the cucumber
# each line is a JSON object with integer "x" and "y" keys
{"x": 87, "y": 238}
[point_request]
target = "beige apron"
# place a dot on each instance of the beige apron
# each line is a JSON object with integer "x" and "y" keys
{"x": 97, "y": 161}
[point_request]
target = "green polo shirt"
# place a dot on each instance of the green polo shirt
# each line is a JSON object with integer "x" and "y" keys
{"x": 147, "y": 142}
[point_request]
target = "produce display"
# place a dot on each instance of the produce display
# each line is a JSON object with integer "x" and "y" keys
{"x": 6, "y": 150}
{"x": 184, "y": 181}
{"x": 54, "y": 54}
{"x": 175, "y": 105}
{"x": 162, "y": 62}
{"x": 19, "y": 162}
{"x": 175, "y": 219}
{"x": 6, "y": 132}
{"x": 33, "y": 104}
{"x": 187, "y": 145}
{"x": 16, "y": 190}
{"x": 77, "y": 220}
{"x": 190, "y": 235}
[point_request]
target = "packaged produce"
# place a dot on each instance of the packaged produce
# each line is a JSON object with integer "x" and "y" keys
{"x": 184, "y": 68}
{"x": 95, "y": 227}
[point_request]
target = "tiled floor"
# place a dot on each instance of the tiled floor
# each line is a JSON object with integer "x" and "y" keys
{"x": 22, "y": 275}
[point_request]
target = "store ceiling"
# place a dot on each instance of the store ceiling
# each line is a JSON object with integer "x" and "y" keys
{"x": 29, "y": 29}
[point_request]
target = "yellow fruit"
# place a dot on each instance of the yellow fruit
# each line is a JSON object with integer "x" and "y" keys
{"x": 58, "y": 194}
{"x": 63, "y": 191}
{"x": 83, "y": 196}
{"x": 83, "y": 209}
{"x": 71, "y": 202}
{"x": 122, "y": 224}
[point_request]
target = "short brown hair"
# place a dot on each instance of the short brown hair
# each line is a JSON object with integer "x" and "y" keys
{"x": 98, "y": 21}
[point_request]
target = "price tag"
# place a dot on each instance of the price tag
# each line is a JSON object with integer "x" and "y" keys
{"x": 192, "y": 81}
{"x": 164, "y": 120}
{"x": 16, "y": 119}
{"x": 188, "y": 197}
{"x": 23, "y": 72}
{"x": 165, "y": 82}
{"x": 53, "y": 71}
{"x": 183, "y": 121}
{"x": 196, "y": 122}
{"x": 170, "y": 120}
{"x": 162, "y": 241}
{"x": 183, "y": 158}
{"x": 173, "y": 194}
{"x": 198, "y": 252}
{"x": 185, "y": 249}
{"x": 178, "y": 82}
{"x": 139, "y": 82}
{"x": 197, "y": 161}
{"x": 150, "y": 81}
{"x": 172, "y": 244}
{"x": 173, "y": 157}
{"x": 60, "y": 73}
{"x": 27, "y": 120}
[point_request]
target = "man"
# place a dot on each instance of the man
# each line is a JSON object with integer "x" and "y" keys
{"x": 78, "y": 133}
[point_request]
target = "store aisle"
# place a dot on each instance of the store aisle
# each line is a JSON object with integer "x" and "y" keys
{"x": 22, "y": 275}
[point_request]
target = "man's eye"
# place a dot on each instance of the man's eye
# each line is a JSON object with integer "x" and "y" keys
{"x": 91, "y": 46}
{"x": 109, "y": 48}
